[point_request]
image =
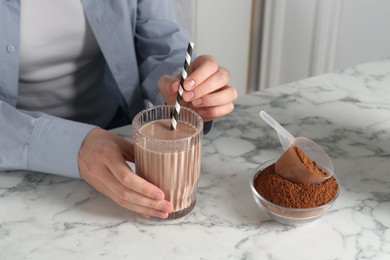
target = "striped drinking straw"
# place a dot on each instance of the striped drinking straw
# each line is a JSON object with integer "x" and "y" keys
{"x": 183, "y": 77}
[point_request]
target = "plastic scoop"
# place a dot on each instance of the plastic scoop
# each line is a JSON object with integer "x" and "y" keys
{"x": 289, "y": 165}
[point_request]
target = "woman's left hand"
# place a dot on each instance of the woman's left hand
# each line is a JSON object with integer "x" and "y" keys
{"x": 206, "y": 89}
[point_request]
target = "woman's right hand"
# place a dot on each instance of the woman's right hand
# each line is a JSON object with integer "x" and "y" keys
{"x": 102, "y": 163}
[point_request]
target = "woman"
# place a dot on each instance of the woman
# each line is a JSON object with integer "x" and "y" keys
{"x": 71, "y": 69}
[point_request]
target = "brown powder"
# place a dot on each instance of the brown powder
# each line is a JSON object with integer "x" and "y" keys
{"x": 309, "y": 164}
{"x": 288, "y": 194}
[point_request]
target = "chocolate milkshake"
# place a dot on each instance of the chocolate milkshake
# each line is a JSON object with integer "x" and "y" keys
{"x": 170, "y": 159}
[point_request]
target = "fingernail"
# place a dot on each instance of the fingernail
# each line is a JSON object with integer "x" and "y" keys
{"x": 162, "y": 215}
{"x": 158, "y": 195}
{"x": 188, "y": 96}
{"x": 197, "y": 102}
{"x": 190, "y": 84}
{"x": 166, "y": 208}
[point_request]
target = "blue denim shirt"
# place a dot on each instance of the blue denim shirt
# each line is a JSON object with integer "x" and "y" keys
{"x": 140, "y": 42}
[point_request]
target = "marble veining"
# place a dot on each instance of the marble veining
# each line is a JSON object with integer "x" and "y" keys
{"x": 346, "y": 112}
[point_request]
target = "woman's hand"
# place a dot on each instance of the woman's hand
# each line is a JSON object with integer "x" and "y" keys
{"x": 206, "y": 89}
{"x": 102, "y": 163}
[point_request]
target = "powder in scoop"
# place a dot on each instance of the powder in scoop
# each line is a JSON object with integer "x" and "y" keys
{"x": 309, "y": 164}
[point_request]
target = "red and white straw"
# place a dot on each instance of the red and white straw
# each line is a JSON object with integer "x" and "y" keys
{"x": 183, "y": 77}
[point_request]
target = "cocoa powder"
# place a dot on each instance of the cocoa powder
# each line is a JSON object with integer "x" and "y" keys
{"x": 309, "y": 164}
{"x": 288, "y": 194}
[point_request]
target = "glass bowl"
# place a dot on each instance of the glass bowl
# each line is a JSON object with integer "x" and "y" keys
{"x": 286, "y": 215}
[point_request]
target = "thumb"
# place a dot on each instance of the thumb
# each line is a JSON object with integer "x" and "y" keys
{"x": 169, "y": 86}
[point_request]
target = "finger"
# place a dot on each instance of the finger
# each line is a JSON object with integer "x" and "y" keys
{"x": 210, "y": 113}
{"x": 166, "y": 80}
{"x": 174, "y": 87}
{"x": 223, "y": 96}
{"x": 107, "y": 184}
{"x": 200, "y": 70}
{"x": 211, "y": 84}
{"x": 133, "y": 199}
{"x": 128, "y": 178}
{"x": 168, "y": 86}
{"x": 146, "y": 215}
{"x": 145, "y": 211}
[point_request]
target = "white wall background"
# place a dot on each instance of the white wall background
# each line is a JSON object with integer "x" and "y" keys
{"x": 364, "y": 32}
{"x": 223, "y": 30}
{"x": 186, "y": 15}
{"x": 320, "y": 36}
{"x": 297, "y": 43}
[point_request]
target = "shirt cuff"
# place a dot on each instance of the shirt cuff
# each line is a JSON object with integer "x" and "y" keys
{"x": 55, "y": 144}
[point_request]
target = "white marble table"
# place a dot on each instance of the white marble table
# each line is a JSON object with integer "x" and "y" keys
{"x": 347, "y": 113}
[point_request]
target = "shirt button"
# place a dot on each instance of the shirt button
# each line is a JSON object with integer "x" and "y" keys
{"x": 10, "y": 48}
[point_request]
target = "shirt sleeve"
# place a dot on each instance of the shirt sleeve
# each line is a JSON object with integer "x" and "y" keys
{"x": 40, "y": 142}
{"x": 161, "y": 45}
